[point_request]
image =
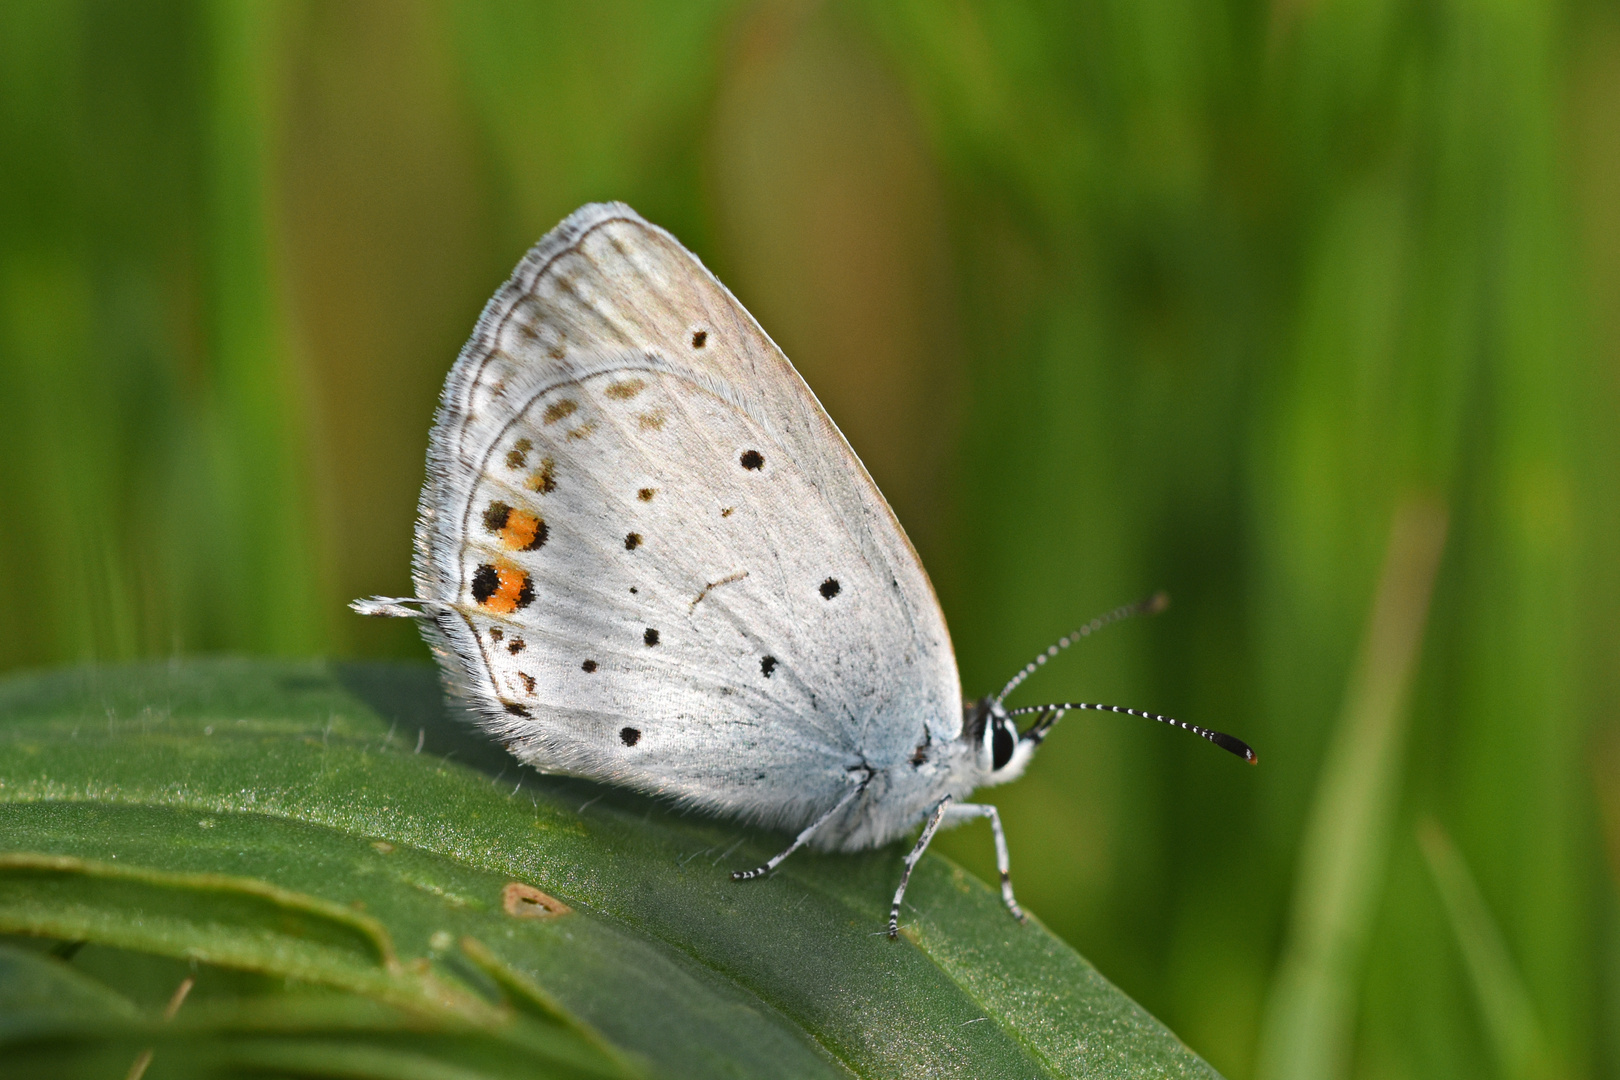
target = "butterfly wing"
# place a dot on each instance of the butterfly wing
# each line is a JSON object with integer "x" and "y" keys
{"x": 662, "y": 564}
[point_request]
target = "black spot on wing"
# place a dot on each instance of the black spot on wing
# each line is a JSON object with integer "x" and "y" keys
{"x": 767, "y": 664}
{"x": 830, "y": 588}
{"x": 588, "y": 666}
{"x": 752, "y": 460}
{"x": 699, "y": 338}
{"x": 629, "y": 736}
{"x": 484, "y": 582}
{"x": 649, "y": 637}
{"x": 632, "y": 541}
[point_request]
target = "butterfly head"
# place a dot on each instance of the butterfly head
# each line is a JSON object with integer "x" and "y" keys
{"x": 990, "y": 744}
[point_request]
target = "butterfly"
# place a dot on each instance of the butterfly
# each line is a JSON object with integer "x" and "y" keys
{"x": 646, "y": 556}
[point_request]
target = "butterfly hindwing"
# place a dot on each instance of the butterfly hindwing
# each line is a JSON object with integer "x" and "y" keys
{"x": 669, "y": 571}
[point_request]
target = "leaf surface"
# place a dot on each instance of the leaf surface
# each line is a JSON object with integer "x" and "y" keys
{"x": 337, "y": 858}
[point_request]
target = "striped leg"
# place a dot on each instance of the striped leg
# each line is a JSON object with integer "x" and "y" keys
{"x": 1004, "y": 864}
{"x": 928, "y": 832}
{"x": 799, "y": 841}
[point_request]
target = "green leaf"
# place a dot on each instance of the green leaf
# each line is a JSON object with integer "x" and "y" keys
{"x": 39, "y": 993}
{"x": 355, "y": 882}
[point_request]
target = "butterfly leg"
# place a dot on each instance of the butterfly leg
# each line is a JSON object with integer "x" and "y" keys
{"x": 934, "y": 819}
{"x": 809, "y": 831}
{"x": 1003, "y": 864}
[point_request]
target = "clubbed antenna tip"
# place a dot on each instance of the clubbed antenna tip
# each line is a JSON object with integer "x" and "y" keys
{"x": 1234, "y": 745}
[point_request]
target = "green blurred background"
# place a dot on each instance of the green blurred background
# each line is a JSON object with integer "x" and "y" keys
{"x": 1302, "y": 311}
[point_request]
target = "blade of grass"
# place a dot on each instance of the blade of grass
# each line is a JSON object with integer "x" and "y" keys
{"x": 1504, "y": 1000}
{"x": 1305, "y": 1034}
{"x": 267, "y": 572}
{"x": 56, "y": 437}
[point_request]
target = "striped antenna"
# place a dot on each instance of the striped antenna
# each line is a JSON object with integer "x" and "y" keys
{"x": 1150, "y": 606}
{"x": 1051, "y": 714}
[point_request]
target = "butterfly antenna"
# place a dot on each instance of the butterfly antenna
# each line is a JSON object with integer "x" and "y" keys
{"x": 1049, "y": 715}
{"x": 1152, "y": 605}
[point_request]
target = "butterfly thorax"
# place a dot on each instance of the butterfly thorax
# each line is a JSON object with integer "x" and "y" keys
{"x": 985, "y": 751}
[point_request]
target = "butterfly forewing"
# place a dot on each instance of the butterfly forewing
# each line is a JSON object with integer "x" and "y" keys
{"x": 661, "y": 578}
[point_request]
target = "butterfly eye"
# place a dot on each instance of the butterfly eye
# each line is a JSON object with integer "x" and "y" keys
{"x": 1002, "y": 742}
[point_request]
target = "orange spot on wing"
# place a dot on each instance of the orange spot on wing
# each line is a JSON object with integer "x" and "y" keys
{"x": 520, "y": 530}
{"x": 509, "y": 593}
